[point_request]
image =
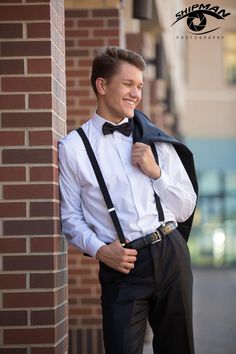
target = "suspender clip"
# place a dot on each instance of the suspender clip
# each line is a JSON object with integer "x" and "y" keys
{"x": 111, "y": 209}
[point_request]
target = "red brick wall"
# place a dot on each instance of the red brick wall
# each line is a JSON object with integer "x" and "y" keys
{"x": 86, "y": 30}
{"x": 33, "y": 280}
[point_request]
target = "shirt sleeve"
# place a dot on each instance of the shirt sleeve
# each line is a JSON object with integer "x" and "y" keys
{"x": 174, "y": 187}
{"x": 74, "y": 226}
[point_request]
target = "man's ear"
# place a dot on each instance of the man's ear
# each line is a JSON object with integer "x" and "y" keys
{"x": 100, "y": 84}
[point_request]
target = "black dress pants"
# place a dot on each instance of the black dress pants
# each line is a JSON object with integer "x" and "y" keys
{"x": 158, "y": 289}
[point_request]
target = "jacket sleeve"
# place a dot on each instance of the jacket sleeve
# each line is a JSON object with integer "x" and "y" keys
{"x": 174, "y": 186}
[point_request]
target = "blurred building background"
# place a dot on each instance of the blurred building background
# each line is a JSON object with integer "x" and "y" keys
{"x": 209, "y": 127}
{"x": 190, "y": 91}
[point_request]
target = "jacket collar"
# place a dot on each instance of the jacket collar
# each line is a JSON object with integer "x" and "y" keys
{"x": 146, "y": 132}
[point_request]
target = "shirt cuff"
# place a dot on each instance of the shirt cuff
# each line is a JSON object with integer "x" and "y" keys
{"x": 161, "y": 183}
{"x": 93, "y": 246}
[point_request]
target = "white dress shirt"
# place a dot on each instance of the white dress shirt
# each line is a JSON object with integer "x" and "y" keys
{"x": 86, "y": 222}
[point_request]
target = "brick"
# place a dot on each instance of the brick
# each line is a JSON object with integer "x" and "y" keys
{"x": 12, "y": 209}
{"x": 26, "y": 48}
{"x": 12, "y": 245}
{"x": 16, "y": 263}
{"x": 90, "y": 42}
{"x": 42, "y": 137}
{"x": 12, "y": 174}
{"x": 80, "y": 311}
{"x": 45, "y": 350}
{"x": 13, "y": 156}
{"x": 12, "y": 281}
{"x": 78, "y": 93}
{"x": 44, "y": 173}
{"x": 13, "y": 318}
{"x": 38, "y": 30}
{"x": 25, "y": 84}
{"x": 12, "y": 101}
{"x": 92, "y": 321}
{"x": 43, "y": 318}
{"x": 70, "y": 43}
{"x": 42, "y": 244}
{"x": 89, "y": 281}
{"x": 26, "y": 12}
{"x": 70, "y": 63}
{"x": 42, "y": 281}
{"x": 60, "y": 296}
{"x": 77, "y": 52}
{"x": 69, "y": 23}
{"x": 105, "y": 13}
{"x": 61, "y": 330}
{"x": 13, "y": 350}
{"x": 44, "y": 209}
{"x": 30, "y": 227}
{"x": 28, "y": 336}
{"x": 26, "y": 119}
{"x": 85, "y": 62}
{"x": 28, "y": 191}
{"x": 11, "y": 30}
{"x": 113, "y": 42}
{"x": 12, "y": 138}
{"x": 77, "y": 73}
{"x": 106, "y": 33}
{"x": 12, "y": 66}
{"x": 85, "y": 83}
{"x": 113, "y": 22}
{"x": 77, "y": 33}
{"x": 39, "y": 281}
{"x": 39, "y": 66}
{"x": 62, "y": 347}
{"x": 61, "y": 261}
{"x": 90, "y": 23}
{"x": 41, "y": 101}
{"x": 87, "y": 102}
{"x": 76, "y": 13}
{"x": 46, "y": 317}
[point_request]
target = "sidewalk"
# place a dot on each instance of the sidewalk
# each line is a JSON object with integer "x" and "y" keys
{"x": 214, "y": 305}
{"x": 215, "y": 311}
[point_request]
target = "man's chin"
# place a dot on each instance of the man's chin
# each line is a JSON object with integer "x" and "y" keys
{"x": 130, "y": 113}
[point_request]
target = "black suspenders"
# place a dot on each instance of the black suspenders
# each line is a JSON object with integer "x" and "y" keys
{"x": 104, "y": 189}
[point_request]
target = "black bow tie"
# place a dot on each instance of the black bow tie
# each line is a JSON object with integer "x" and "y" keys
{"x": 125, "y": 128}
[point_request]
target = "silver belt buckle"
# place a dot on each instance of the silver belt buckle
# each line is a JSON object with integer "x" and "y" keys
{"x": 156, "y": 233}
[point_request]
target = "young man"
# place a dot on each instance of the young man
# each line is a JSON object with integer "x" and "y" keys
{"x": 150, "y": 276}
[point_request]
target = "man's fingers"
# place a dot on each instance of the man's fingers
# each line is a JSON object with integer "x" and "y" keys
{"x": 131, "y": 259}
{"x": 126, "y": 267}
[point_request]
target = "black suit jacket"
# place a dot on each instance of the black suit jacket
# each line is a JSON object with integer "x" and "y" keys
{"x": 146, "y": 132}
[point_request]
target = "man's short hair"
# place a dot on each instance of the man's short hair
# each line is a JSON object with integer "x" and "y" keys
{"x": 107, "y": 62}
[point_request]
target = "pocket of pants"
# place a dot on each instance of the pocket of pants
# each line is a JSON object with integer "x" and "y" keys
{"x": 182, "y": 243}
{"x": 109, "y": 275}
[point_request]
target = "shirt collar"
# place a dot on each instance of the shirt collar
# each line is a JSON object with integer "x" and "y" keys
{"x": 98, "y": 121}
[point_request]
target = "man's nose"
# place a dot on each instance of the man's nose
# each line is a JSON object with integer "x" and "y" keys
{"x": 135, "y": 92}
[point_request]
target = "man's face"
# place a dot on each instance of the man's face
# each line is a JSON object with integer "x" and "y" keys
{"x": 121, "y": 93}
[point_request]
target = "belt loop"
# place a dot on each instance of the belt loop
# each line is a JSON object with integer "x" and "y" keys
{"x": 160, "y": 229}
{"x": 145, "y": 241}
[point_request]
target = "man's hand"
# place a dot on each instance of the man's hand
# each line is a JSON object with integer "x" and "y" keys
{"x": 117, "y": 257}
{"x": 142, "y": 157}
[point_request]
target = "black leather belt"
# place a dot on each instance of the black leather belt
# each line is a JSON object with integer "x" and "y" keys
{"x": 154, "y": 237}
